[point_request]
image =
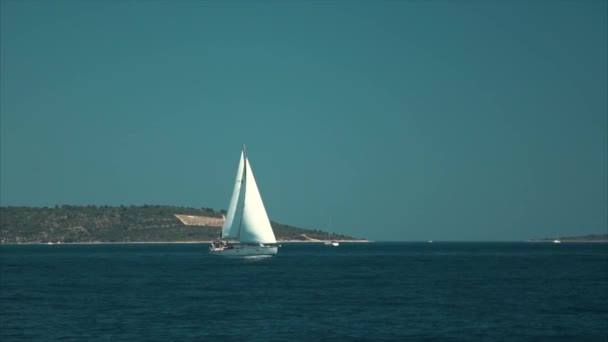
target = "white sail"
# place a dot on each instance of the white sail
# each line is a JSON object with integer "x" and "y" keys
{"x": 234, "y": 203}
{"x": 246, "y": 220}
{"x": 255, "y": 226}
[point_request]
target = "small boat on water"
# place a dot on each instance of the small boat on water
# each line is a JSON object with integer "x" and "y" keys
{"x": 246, "y": 231}
{"x": 329, "y": 242}
{"x": 556, "y": 241}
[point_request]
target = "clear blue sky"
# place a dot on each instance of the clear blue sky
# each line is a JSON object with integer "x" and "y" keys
{"x": 390, "y": 120}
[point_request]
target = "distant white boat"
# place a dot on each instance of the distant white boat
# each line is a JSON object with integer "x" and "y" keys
{"x": 556, "y": 241}
{"x": 246, "y": 231}
{"x": 329, "y": 242}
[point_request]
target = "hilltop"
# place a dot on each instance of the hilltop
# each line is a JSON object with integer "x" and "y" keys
{"x": 148, "y": 223}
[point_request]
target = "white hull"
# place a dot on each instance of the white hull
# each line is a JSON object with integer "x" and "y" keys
{"x": 246, "y": 251}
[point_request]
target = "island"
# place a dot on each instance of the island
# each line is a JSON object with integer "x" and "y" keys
{"x": 581, "y": 238}
{"x": 115, "y": 224}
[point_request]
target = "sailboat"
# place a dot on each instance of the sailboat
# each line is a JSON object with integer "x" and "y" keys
{"x": 246, "y": 230}
{"x": 329, "y": 242}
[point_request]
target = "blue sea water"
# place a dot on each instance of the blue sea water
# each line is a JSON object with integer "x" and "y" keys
{"x": 309, "y": 292}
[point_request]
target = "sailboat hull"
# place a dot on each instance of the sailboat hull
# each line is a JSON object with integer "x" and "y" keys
{"x": 246, "y": 251}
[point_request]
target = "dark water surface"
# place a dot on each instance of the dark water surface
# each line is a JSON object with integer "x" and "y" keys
{"x": 309, "y": 292}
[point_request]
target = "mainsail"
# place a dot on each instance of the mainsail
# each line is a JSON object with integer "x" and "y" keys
{"x": 230, "y": 216}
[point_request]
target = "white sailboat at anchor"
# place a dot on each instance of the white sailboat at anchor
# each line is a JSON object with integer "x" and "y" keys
{"x": 329, "y": 242}
{"x": 246, "y": 230}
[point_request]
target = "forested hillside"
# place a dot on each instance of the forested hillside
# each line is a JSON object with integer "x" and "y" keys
{"x": 148, "y": 223}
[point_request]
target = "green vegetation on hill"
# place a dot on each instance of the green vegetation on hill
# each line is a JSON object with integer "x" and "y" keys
{"x": 148, "y": 223}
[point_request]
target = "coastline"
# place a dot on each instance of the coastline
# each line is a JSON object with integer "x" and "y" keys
{"x": 161, "y": 242}
{"x": 568, "y": 241}
{"x": 278, "y": 242}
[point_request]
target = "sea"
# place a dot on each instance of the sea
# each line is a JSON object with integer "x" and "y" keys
{"x": 309, "y": 292}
